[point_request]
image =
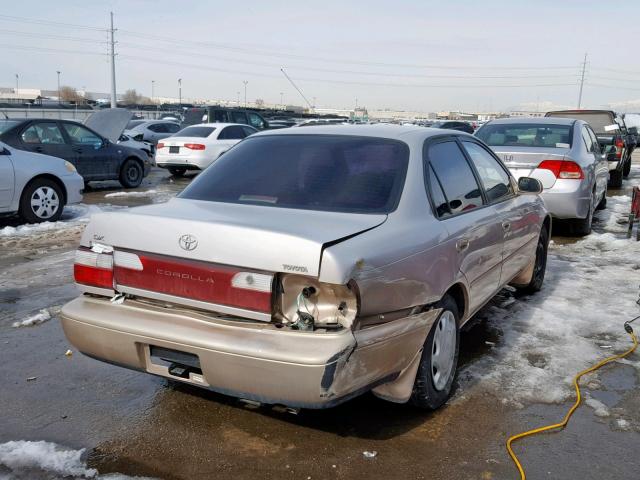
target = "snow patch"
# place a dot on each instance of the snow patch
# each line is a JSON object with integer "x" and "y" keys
{"x": 148, "y": 193}
{"x": 73, "y": 215}
{"x": 623, "y": 424}
{"x": 40, "y": 317}
{"x": 46, "y": 460}
{"x": 600, "y": 409}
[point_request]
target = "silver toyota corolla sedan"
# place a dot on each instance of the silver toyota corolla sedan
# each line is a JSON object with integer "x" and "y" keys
{"x": 563, "y": 154}
{"x": 307, "y": 266}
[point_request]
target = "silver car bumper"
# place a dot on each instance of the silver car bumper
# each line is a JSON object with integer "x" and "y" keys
{"x": 568, "y": 199}
{"x": 74, "y": 184}
{"x": 257, "y": 362}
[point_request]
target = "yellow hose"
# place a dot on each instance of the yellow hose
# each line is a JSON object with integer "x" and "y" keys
{"x": 564, "y": 422}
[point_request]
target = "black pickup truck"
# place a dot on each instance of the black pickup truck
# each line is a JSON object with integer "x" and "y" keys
{"x": 614, "y": 138}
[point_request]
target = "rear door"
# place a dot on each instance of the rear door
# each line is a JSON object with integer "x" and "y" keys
{"x": 46, "y": 137}
{"x": 229, "y": 136}
{"x": 7, "y": 180}
{"x": 474, "y": 228}
{"x": 601, "y": 163}
{"x": 518, "y": 225}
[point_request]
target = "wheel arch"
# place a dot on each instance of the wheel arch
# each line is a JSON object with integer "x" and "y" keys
{"x": 48, "y": 176}
{"x": 459, "y": 293}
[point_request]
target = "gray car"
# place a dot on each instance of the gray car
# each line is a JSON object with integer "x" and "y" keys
{"x": 153, "y": 131}
{"x": 36, "y": 186}
{"x": 307, "y": 266}
{"x": 563, "y": 154}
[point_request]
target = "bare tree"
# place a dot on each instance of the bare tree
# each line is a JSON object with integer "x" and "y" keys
{"x": 131, "y": 97}
{"x": 259, "y": 102}
{"x": 70, "y": 94}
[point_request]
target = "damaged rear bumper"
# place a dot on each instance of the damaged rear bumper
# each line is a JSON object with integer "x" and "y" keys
{"x": 248, "y": 360}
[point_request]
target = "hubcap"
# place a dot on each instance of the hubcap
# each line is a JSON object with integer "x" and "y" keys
{"x": 45, "y": 202}
{"x": 132, "y": 173}
{"x": 444, "y": 350}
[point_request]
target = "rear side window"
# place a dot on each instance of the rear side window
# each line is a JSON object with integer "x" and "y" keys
{"x": 248, "y": 130}
{"x": 232, "y": 133}
{"x": 337, "y": 173}
{"x": 526, "y": 135}
{"x": 201, "y": 132}
{"x": 172, "y": 127}
{"x": 45, "y": 133}
{"x": 158, "y": 128}
{"x": 494, "y": 179}
{"x": 587, "y": 139}
{"x": 437, "y": 195}
{"x": 455, "y": 176}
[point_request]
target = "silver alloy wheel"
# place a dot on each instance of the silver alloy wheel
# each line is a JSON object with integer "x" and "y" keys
{"x": 45, "y": 202}
{"x": 444, "y": 350}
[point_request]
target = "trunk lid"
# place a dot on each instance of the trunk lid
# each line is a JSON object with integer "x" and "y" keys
{"x": 248, "y": 236}
{"x": 523, "y": 161}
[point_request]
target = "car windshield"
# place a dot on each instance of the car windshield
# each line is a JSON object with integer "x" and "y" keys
{"x": 201, "y": 132}
{"x": 313, "y": 172}
{"x": 526, "y": 135}
{"x": 7, "y": 124}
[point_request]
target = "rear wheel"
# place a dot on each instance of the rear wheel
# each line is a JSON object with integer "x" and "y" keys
{"x": 540, "y": 265}
{"x": 439, "y": 362}
{"x": 615, "y": 179}
{"x": 177, "y": 171}
{"x": 41, "y": 201}
{"x": 131, "y": 174}
{"x": 582, "y": 226}
{"x": 603, "y": 203}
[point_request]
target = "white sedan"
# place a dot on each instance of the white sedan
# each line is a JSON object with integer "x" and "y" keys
{"x": 198, "y": 146}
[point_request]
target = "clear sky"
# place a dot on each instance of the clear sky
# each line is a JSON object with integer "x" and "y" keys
{"x": 422, "y": 55}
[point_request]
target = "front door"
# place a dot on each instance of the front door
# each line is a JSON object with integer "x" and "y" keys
{"x": 91, "y": 153}
{"x": 474, "y": 229}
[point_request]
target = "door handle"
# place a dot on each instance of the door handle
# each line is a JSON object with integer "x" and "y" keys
{"x": 38, "y": 149}
{"x": 462, "y": 244}
{"x": 506, "y": 226}
{"x": 77, "y": 150}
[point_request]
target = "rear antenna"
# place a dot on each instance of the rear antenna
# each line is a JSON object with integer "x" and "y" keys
{"x": 311, "y": 107}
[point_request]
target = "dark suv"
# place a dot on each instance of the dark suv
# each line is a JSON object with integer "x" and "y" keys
{"x": 95, "y": 157}
{"x": 195, "y": 115}
{"x": 454, "y": 125}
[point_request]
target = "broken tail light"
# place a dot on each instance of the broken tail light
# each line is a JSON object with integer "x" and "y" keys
{"x": 619, "y": 144}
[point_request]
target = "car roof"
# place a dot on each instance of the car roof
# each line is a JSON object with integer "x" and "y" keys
{"x": 381, "y": 130}
{"x": 535, "y": 120}
{"x": 218, "y": 125}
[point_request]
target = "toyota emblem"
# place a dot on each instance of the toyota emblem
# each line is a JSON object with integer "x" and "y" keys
{"x": 188, "y": 242}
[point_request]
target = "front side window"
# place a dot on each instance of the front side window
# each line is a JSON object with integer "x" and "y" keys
{"x": 157, "y": 128}
{"x": 494, "y": 179}
{"x": 45, "y": 133}
{"x": 456, "y": 177}
{"x": 80, "y": 135}
{"x": 337, "y": 173}
{"x": 238, "y": 117}
{"x": 526, "y": 135}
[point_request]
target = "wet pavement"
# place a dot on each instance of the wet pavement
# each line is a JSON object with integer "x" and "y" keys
{"x": 136, "y": 424}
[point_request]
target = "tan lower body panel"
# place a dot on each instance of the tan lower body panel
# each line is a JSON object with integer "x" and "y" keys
{"x": 257, "y": 362}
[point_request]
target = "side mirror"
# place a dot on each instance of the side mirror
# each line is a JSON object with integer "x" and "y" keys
{"x": 4, "y": 151}
{"x": 529, "y": 185}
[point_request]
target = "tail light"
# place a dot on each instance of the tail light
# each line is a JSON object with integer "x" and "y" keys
{"x": 564, "y": 169}
{"x": 93, "y": 268}
{"x": 304, "y": 303}
{"x": 194, "y": 146}
{"x": 619, "y": 146}
{"x": 160, "y": 145}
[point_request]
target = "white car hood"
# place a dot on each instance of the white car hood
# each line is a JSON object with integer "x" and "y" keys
{"x": 249, "y": 236}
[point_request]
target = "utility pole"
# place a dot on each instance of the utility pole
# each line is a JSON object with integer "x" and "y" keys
{"x": 59, "y": 99}
{"x": 281, "y": 101}
{"x": 114, "y": 99}
{"x": 584, "y": 66}
{"x": 179, "y": 92}
{"x": 238, "y": 101}
{"x": 153, "y": 84}
{"x": 17, "y": 77}
{"x": 245, "y": 92}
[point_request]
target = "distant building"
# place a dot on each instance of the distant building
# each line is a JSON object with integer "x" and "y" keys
{"x": 524, "y": 113}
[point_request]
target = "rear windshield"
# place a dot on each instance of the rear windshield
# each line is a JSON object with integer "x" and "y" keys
{"x": 134, "y": 123}
{"x": 7, "y": 124}
{"x": 313, "y": 172}
{"x": 526, "y": 135}
{"x": 201, "y": 132}
{"x": 598, "y": 121}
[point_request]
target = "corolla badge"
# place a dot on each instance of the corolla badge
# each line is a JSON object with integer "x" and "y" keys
{"x": 188, "y": 242}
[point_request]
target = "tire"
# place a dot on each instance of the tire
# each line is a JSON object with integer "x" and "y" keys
{"x": 615, "y": 179}
{"x": 581, "y": 227}
{"x": 627, "y": 168}
{"x": 177, "y": 171}
{"x": 603, "y": 203}
{"x": 438, "y": 367}
{"x": 41, "y": 201}
{"x": 131, "y": 174}
{"x": 540, "y": 265}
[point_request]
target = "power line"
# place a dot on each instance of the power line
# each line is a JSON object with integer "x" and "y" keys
{"x": 12, "y": 18}
{"x": 47, "y": 50}
{"x": 51, "y": 36}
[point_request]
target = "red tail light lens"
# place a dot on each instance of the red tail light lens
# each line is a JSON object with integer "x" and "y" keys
{"x": 619, "y": 146}
{"x": 194, "y": 146}
{"x": 160, "y": 145}
{"x": 564, "y": 169}
{"x": 93, "y": 269}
